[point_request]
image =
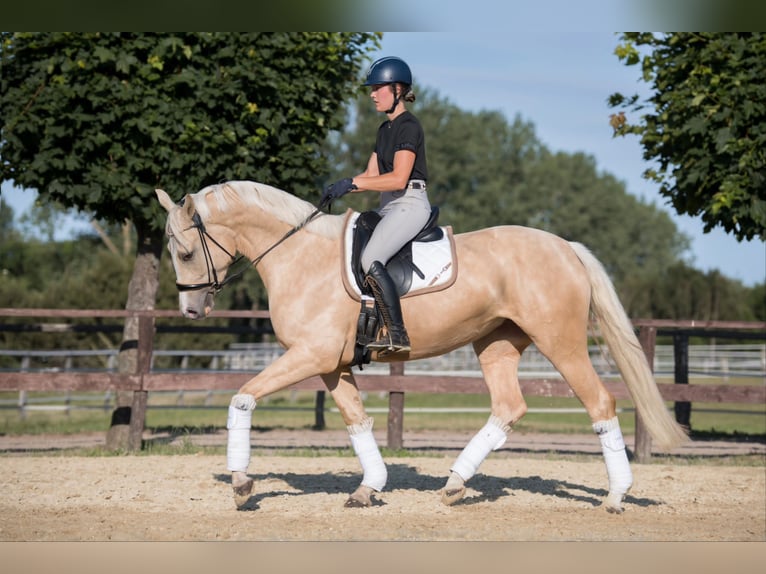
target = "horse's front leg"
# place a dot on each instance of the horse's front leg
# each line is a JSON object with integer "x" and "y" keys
{"x": 345, "y": 393}
{"x": 292, "y": 367}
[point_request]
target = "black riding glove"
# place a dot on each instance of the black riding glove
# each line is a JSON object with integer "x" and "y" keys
{"x": 338, "y": 189}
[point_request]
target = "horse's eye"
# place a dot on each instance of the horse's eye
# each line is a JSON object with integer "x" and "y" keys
{"x": 187, "y": 256}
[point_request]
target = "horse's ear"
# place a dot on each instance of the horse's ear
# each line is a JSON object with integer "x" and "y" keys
{"x": 165, "y": 200}
{"x": 187, "y": 203}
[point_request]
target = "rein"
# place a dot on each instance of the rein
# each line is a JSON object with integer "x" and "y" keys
{"x": 212, "y": 275}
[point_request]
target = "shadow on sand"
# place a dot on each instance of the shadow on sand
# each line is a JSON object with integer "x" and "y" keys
{"x": 406, "y": 477}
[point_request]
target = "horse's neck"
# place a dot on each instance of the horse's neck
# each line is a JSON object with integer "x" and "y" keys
{"x": 262, "y": 237}
{"x": 257, "y": 231}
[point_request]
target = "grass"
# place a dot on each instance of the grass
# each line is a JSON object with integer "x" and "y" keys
{"x": 188, "y": 448}
{"x": 295, "y": 410}
{"x": 206, "y": 413}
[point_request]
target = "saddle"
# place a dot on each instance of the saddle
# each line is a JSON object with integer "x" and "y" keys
{"x": 401, "y": 266}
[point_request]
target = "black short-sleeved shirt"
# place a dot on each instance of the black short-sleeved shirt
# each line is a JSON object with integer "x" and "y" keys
{"x": 405, "y": 132}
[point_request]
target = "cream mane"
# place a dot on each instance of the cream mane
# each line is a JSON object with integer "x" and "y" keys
{"x": 282, "y": 205}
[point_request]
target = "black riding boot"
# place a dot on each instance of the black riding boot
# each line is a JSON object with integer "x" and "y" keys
{"x": 387, "y": 299}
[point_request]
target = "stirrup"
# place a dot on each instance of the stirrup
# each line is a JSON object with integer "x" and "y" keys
{"x": 403, "y": 354}
{"x": 386, "y": 346}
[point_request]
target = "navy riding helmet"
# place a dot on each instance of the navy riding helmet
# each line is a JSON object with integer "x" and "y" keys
{"x": 389, "y": 70}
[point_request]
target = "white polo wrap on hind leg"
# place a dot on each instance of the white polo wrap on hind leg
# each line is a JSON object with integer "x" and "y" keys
{"x": 616, "y": 459}
{"x": 366, "y": 449}
{"x": 239, "y": 423}
{"x": 491, "y": 437}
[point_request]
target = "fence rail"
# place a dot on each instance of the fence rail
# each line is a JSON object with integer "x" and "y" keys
{"x": 396, "y": 382}
{"x": 722, "y": 361}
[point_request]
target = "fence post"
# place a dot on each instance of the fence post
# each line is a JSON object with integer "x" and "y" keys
{"x": 143, "y": 367}
{"x": 319, "y": 423}
{"x": 23, "y": 393}
{"x": 22, "y": 404}
{"x": 683, "y": 409}
{"x": 395, "y": 411}
{"x": 647, "y": 336}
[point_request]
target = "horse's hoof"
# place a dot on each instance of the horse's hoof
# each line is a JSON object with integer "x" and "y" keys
{"x": 355, "y": 503}
{"x": 451, "y": 495}
{"x": 613, "y": 504}
{"x": 360, "y": 498}
{"x": 242, "y": 492}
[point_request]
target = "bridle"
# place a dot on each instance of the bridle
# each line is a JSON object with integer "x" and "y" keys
{"x": 212, "y": 274}
{"x": 213, "y": 284}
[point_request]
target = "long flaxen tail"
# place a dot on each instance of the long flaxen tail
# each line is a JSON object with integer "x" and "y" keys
{"x": 623, "y": 344}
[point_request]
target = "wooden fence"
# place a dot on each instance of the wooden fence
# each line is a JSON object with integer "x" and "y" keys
{"x": 396, "y": 383}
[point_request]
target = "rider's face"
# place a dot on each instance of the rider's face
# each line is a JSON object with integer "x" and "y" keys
{"x": 383, "y": 96}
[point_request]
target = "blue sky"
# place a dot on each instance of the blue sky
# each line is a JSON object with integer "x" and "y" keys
{"x": 558, "y": 78}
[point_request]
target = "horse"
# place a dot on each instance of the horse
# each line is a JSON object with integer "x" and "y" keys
{"x": 515, "y": 286}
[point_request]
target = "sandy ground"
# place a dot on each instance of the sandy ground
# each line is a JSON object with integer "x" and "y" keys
{"x": 518, "y": 495}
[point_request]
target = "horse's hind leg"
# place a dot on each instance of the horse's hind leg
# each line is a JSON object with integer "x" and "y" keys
{"x": 499, "y": 354}
{"x": 576, "y": 368}
{"x": 345, "y": 393}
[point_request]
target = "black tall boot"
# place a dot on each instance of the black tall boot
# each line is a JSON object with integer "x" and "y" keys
{"x": 387, "y": 299}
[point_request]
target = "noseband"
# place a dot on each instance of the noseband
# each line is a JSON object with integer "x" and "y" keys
{"x": 212, "y": 275}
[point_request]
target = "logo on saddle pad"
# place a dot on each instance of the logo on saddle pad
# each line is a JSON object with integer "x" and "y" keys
{"x": 426, "y": 264}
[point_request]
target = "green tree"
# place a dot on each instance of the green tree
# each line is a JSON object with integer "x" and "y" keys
{"x": 682, "y": 292}
{"x": 757, "y": 299}
{"x": 97, "y": 121}
{"x": 704, "y": 124}
{"x": 569, "y": 197}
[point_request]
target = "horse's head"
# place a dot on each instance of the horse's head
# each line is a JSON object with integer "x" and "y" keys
{"x": 200, "y": 266}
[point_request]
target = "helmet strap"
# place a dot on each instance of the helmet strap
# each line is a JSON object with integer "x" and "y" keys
{"x": 396, "y": 100}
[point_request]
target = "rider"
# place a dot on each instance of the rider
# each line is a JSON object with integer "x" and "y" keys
{"x": 396, "y": 169}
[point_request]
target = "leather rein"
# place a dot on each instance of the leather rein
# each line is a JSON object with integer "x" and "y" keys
{"x": 213, "y": 283}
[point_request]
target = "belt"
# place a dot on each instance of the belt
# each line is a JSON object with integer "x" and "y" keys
{"x": 416, "y": 184}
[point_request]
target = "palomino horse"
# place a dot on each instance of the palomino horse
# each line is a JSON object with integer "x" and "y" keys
{"x": 515, "y": 286}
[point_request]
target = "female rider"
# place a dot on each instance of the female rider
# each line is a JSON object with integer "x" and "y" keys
{"x": 397, "y": 170}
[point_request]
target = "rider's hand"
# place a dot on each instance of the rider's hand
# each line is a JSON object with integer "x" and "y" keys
{"x": 338, "y": 189}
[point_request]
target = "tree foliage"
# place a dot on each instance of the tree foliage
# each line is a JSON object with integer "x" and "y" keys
{"x": 98, "y": 120}
{"x": 704, "y": 124}
{"x": 682, "y": 292}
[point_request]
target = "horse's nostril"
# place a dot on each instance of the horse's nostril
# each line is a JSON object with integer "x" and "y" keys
{"x": 191, "y": 313}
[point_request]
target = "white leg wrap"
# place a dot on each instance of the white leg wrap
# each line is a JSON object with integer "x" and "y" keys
{"x": 615, "y": 457}
{"x": 366, "y": 449}
{"x": 238, "y": 423}
{"x": 491, "y": 437}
